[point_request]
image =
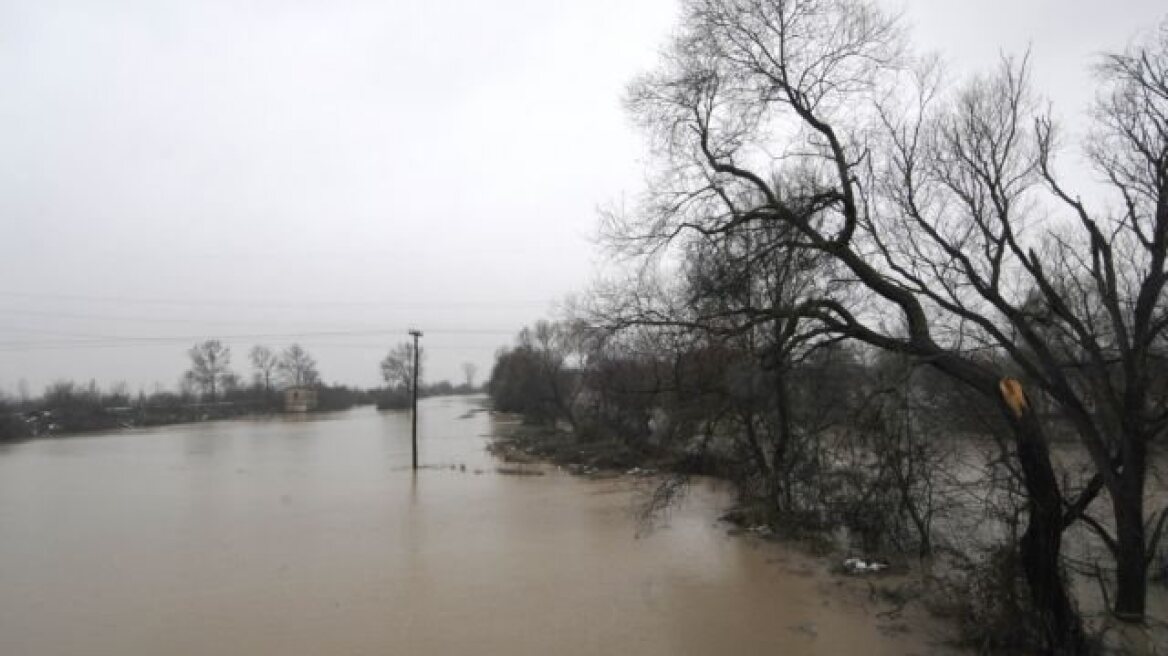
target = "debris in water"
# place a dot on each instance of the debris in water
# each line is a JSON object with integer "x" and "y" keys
{"x": 861, "y": 566}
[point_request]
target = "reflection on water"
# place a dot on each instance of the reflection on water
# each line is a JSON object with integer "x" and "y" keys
{"x": 274, "y": 536}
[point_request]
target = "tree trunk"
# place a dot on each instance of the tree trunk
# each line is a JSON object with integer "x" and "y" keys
{"x": 1040, "y": 549}
{"x": 1041, "y": 543}
{"x": 756, "y": 451}
{"x": 1131, "y": 548}
{"x": 782, "y": 441}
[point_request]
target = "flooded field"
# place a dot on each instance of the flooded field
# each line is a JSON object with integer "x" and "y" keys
{"x": 312, "y": 536}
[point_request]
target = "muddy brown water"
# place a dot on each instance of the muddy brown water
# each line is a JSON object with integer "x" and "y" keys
{"x": 278, "y": 536}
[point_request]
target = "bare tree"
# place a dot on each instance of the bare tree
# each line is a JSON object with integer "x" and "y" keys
{"x": 810, "y": 114}
{"x": 298, "y": 367}
{"x": 554, "y": 346}
{"x": 1077, "y": 308}
{"x": 265, "y": 362}
{"x": 541, "y": 376}
{"x": 397, "y": 368}
{"x": 1105, "y": 311}
{"x": 209, "y": 370}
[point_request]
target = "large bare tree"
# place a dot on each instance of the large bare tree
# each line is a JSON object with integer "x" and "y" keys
{"x": 935, "y": 206}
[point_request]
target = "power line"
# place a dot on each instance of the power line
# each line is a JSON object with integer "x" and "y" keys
{"x": 55, "y": 333}
{"x": 146, "y": 340}
{"x": 87, "y": 316}
{"x": 272, "y": 303}
{"x": 309, "y": 326}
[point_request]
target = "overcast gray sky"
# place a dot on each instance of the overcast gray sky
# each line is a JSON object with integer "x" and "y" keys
{"x": 335, "y": 172}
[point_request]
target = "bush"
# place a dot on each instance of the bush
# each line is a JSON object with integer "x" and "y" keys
{"x": 340, "y": 397}
{"x": 987, "y": 599}
{"x": 394, "y": 399}
{"x": 12, "y": 425}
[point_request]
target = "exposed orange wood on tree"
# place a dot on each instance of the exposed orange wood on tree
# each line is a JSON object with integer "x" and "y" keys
{"x": 1013, "y": 395}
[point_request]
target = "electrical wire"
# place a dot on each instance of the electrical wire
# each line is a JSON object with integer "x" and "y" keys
{"x": 272, "y": 303}
{"x": 146, "y": 340}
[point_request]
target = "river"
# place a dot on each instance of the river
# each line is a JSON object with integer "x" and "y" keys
{"x": 312, "y": 536}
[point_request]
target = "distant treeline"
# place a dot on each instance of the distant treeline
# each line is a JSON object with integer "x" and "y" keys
{"x": 208, "y": 390}
{"x": 68, "y": 407}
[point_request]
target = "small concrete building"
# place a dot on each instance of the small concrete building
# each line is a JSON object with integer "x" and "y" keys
{"x": 299, "y": 399}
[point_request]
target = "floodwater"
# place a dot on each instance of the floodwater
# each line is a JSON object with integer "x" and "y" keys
{"x": 312, "y": 536}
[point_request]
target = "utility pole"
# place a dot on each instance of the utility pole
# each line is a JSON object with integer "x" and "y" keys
{"x": 416, "y": 334}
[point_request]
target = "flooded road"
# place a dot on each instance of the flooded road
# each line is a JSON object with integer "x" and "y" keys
{"x": 312, "y": 536}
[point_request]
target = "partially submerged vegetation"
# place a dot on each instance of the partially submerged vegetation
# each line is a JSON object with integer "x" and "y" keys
{"x": 870, "y": 298}
{"x": 533, "y": 443}
{"x": 886, "y": 461}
